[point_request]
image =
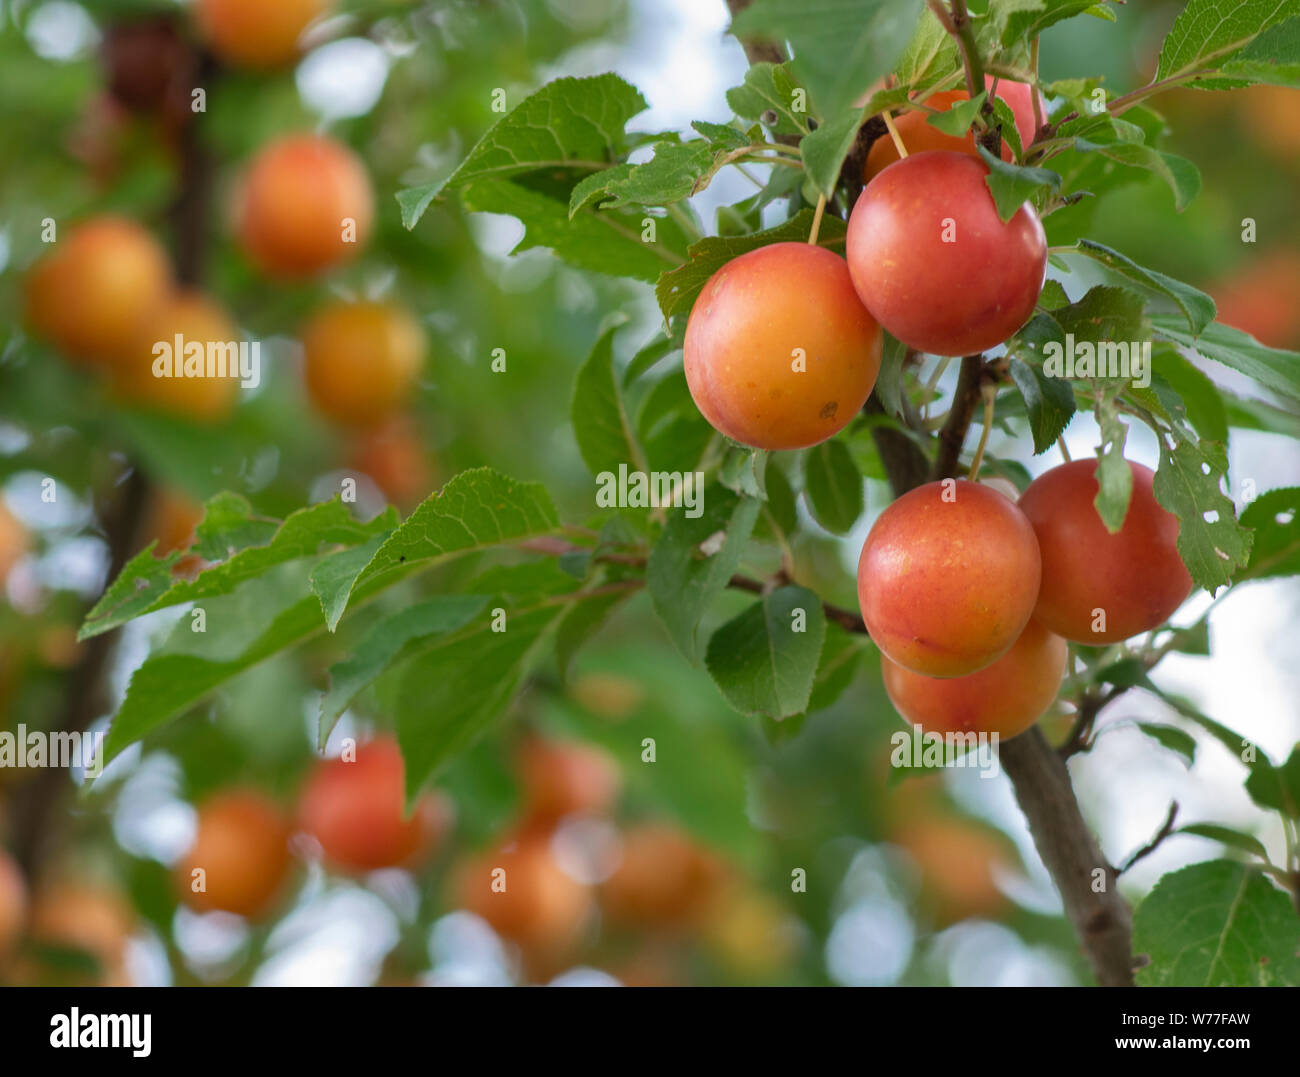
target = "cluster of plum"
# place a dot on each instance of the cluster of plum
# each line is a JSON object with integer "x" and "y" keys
{"x": 970, "y": 596}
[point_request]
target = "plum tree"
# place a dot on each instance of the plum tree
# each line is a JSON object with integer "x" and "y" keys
{"x": 305, "y": 204}
{"x": 242, "y": 849}
{"x": 777, "y": 366}
{"x": 919, "y": 135}
{"x": 1100, "y": 587}
{"x": 13, "y": 903}
{"x": 196, "y": 319}
{"x": 934, "y": 263}
{"x": 948, "y": 577}
{"x": 87, "y": 294}
{"x": 562, "y": 779}
{"x": 361, "y": 360}
{"x": 256, "y": 33}
{"x": 1005, "y": 698}
{"x": 520, "y": 890}
{"x": 664, "y": 880}
{"x": 356, "y": 810}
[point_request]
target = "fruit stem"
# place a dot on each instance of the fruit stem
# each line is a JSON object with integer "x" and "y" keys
{"x": 817, "y": 221}
{"x": 893, "y": 133}
{"x": 1060, "y": 444}
{"x": 989, "y": 391}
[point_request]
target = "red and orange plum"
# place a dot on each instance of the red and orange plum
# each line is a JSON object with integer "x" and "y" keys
{"x": 934, "y": 263}
{"x": 1099, "y": 587}
{"x": 780, "y": 353}
{"x": 948, "y": 577}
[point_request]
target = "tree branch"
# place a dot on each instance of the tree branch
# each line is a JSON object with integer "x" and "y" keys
{"x": 953, "y": 433}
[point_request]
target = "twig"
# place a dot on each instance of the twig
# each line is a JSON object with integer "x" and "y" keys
{"x": 953, "y": 433}
{"x": 893, "y": 133}
{"x": 990, "y": 392}
{"x": 1154, "y": 843}
{"x": 817, "y": 221}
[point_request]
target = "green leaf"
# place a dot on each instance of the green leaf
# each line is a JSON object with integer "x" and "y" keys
{"x": 1180, "y": 174}
{"x": 582, "y": 621}
{"x": 146, "y": 585}
{"x": 600, "y": 423}
{"x": 1171, "y": 737}
{"x": 1019, "y": 20}
{"x": 764, "y": 661}
{"x": 1197, "y": 307}
{"x": 678, "y": 170}
{"x": 840, "y": 660}
{"x": 1105, "y": 314}
{"x": 1217, "y": 924}
{"x": 1277, "y": 787}
{"x": 768, "y": 94}
{"x": 683, "y": 580}
{"x": 1114, "y": 477}
{"x": 1013, "y": 185}
{"x": 841, "y": 50}
{"x": 825, "y": 149}
{"x": 1049, "y": 401}
{"x": 609, "y": 241}
{"x": 333, "y": 577}
{"x": 387, "y": 642}
{"x": 1273, "y": 57}
{"x": 678, "y": 288}
{"x": 1273, "y": 368}
{"x": 1234, "y": 839}
{"x": 780, "y": 506}
{"x": 477, "y": 509}
{"x": 929, "y": 56}
{"x": 957, "y": 120}
{"x": 1212, "y": 544}
{"x": 1207, "y": 33}
{"x": 833, "y": 485}
{"x": 445, "y": 696}
{"x": 660, "y": 347}
{"x": 258, "y": 619}
{"x": 670, "y": 427}
{"x": 568, "y": 128}
{"x": 889, "y": 382}
{"x": 1202, "y": 401}
{"x": 1275, "y": 549}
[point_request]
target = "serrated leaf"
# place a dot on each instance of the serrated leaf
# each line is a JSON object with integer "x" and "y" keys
{"x": 1013, "y": 185}
{"x": 767, "y": 94}
{"x": 600, "y": 422}
{"x": 1208, "y": 32}
{"x": 678, "y": 288}
{"x": 1106, "y": 313}
{"x": 1217, "y": 924}
{"x": 145, "y": 585}
{"x": 843, "y": 49}
{"x": 1202, "y": 400}
{"x": 1274, "y": 517}
{"x": 764, "y": 661}
{"x": 1272, "y": 58}
{"x": 1197, "y": 307}
{"x": 833, "y": 486}
{"x": 677, "y": 170}
{"x": 608, "y": 241}
{"x": 1049, "y": 402}
{"x": 682, "y": 579}
{"x": 1189, "y": 484}
{"x": 569, "y": 127}
{"x": 1273, "y": 368}
{"x": 386, "y": 643}
{"x": 928, "y": 56}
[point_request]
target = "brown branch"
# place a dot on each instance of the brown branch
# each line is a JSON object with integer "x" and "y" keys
{"x": 1151, "y": 846}
{"x": 964, "y": 400}
{"x": 905, "y": 463}
{"x": 846, "y": 619}
{"x": 1086, "y": 882}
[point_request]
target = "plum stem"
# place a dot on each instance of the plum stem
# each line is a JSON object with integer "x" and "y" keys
{"x": 817, "y": 220}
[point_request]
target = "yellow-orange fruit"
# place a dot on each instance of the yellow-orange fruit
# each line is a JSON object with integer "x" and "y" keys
{"x": 958, "y": 862}
{"x": 780, "y": 353}
{"x": 396, "y": 459}
{"x": 361, "y": 360}
{"x": 522, "y": 892}
{"x": 357, "y": 811}
{"x": 87, "y": 294}
{"x": 1098, "y": 587}
{"x": 1261, "y": 299}
{"x": 749, "y": 933}
{"x": 89, "y": 918}
{"x": 14, "y": 541}
{"x": 13, "y": 903}
{"x": 305, "y": 204}
{"x": 663, "y": 880}
{"x": 242, "y": 850}
{"x": 256, "y": 34}
{"x": 199, "y": 322}
{"x": 948, "y": 577}
{"x": 566, "y": 779}
{"x": 1005, "y": 698}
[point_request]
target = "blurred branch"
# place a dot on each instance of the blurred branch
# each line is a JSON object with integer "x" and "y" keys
{"x": 1154, "y": 843}
{"x": 953, "y": 433}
